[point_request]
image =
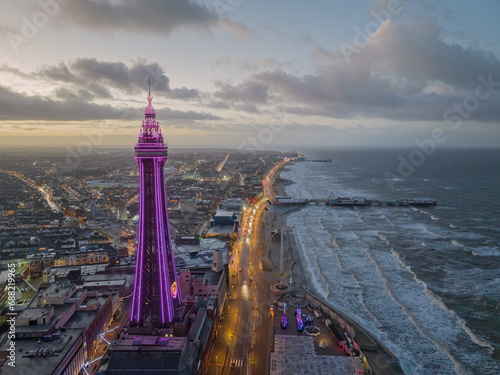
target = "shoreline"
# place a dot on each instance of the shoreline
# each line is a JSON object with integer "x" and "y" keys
{"x": 380, "y": 358}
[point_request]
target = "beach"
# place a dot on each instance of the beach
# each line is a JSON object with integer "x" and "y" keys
{"x": 381, "y": 360}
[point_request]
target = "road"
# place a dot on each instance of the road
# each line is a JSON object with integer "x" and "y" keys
{"x": 245, "y": 333}
{"x": 114, "y": 328}
{"x": 42, "y": 189}
{"x": 244, "y": 336}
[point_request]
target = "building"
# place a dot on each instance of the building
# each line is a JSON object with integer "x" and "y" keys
{"x": 206, "y": 281}
{"x": 297, "y": 352}
{"x": 224, "y": 217}
{"x": 40, "y": 261}
{"x": 59, "y": 330}
{"x": 231, "y": 204}
{"x": 156, "y": 294}
{"x": 165, "y": 335}
{"x": 183, "y": 349}
{"x": 81, "y": 258}
{"x": 187, "y": 205}
{"x": 121, "y": 211}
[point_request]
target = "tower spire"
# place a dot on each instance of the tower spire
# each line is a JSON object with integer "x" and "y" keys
{"x": 156, "y": 294}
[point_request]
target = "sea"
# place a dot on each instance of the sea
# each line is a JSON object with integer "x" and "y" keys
{"x": 424, "y": 280}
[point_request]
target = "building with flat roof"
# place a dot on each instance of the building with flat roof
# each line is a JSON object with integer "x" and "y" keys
{"x": 204, "y": 282}
{"x": 224, "y": 217}
{"x": 183, "y": 349}
{"x": 65, "y": 355}
{"x": 296, "y": 355}
{"x": 59, "y": 330}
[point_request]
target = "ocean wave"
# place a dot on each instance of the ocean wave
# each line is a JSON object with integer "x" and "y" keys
{"x": 434, "y": 234}
{"x": 477, "y": 339}
{"x": 458, "y": 366}
{"x": 416, "y": 324}
{"x": 456, "y": 243}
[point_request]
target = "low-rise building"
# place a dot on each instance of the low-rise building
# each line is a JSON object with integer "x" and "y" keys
{"x": 205, "y": 282}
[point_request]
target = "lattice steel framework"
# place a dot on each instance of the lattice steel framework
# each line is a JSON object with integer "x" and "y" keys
{"x": 156, "y": 291}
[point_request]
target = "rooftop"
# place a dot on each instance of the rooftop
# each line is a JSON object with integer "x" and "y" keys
{"x": 296, "y": 355}
{"x": 33, "y": 313}
{"x": 111, "y": 283}
{"x": 224, "y": 213}
{"x": 40, "y": 364}
{"x": 149, "y": 343}
{"x": 56, "y": 290}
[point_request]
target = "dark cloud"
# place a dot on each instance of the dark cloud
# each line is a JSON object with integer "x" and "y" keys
{"x": 115, "y": 74}
{"x": 98, "y": 90}
{"x": 98, "y": 76}
{"x": 406, "y": 72}
{"x": 247, "y": 107}
{"x": 152, "y": 16}
{"x": 75, "y": 106}
{"x": 217, "y": 105}
{"x": 253, "y": 129}
{"x": 16, "y": 71}
{"x": 59, "y": 73}
{"x": 169, "y": 114}
{"x": 16, "y": 106}
{"x": 81, "y": 94}
{"x": 246, "y": 92}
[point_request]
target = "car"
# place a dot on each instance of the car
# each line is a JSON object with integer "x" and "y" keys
{"x": 244, "y": 282}
{"x": 240, "y": 269}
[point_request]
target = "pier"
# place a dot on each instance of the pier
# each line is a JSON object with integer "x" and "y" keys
{"x": 355, "y": 201}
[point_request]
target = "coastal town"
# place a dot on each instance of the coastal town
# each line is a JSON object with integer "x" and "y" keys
{"x": 71, "y": 232}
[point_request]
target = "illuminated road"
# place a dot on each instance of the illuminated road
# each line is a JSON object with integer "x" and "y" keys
{"x": 221, "y": 165}
{"x": 245, "y": 334}
{"x": 42, "y": 189}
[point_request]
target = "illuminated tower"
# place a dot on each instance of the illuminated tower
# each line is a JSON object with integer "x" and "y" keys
{"x": 156, "y": 293}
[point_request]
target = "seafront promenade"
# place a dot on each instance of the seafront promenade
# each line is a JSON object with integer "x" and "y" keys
{"x": 379, "y": 358}
{"x": 251, "y": 320}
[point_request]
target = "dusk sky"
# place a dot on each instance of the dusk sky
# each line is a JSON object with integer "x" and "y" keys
{"x": 282, "y": 73}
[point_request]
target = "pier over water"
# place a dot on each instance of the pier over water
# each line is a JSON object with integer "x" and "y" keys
{"x": 355, "y": 201}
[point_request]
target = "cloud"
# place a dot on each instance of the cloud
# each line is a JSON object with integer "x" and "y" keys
{"x": 152, "y": 16}
{"x": 247, "y": 107}
{"x": 75, "y": 106}
{"x": 246, "y": 92}
{"x": 81, "y": 94}
{"x": 98, "y": 76}
{"x": 406, "y": 72}
{"x": 158, "y": 17}
{"x": 169, "y": 114}
{"x": 16, "y": 106}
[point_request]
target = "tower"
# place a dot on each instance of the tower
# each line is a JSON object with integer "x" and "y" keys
{"x": 156, "y": 292}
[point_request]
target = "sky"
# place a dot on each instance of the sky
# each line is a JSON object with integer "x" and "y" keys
{"x": 251, "y": 74}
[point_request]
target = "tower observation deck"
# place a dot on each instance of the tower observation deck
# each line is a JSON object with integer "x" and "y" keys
{"x": 156, "y": 290}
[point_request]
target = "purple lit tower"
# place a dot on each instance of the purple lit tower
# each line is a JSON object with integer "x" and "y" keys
{"x": 156, "y": 290}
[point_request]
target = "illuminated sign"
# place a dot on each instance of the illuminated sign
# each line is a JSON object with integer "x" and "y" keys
{"x": 173, "y": 289}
